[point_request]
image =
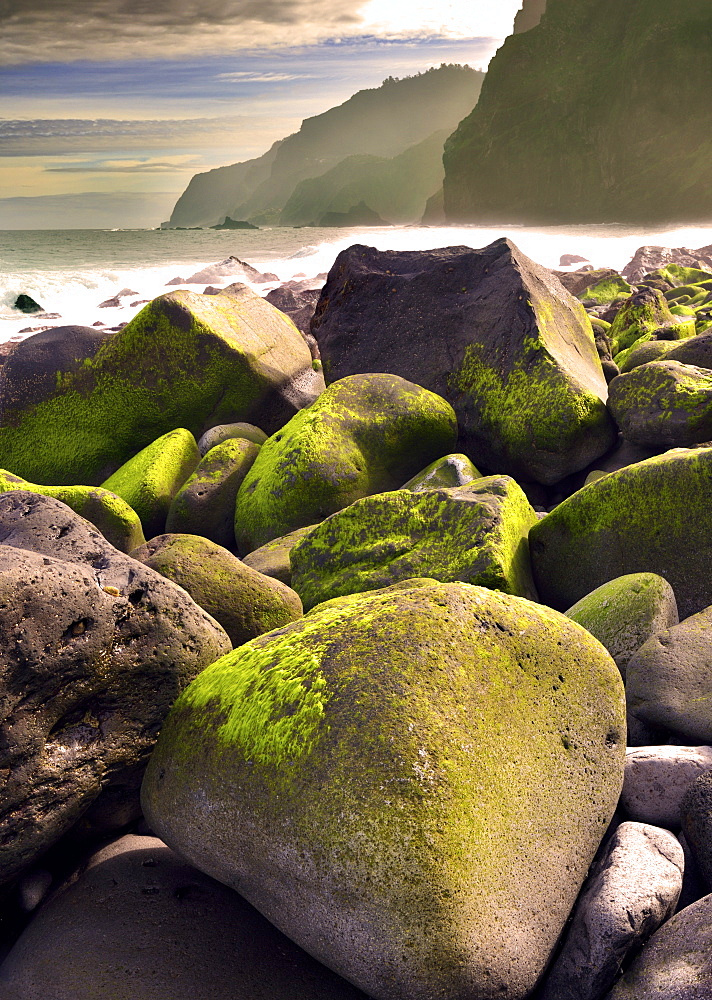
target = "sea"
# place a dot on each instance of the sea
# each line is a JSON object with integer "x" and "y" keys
{"x": 70, "y": 272}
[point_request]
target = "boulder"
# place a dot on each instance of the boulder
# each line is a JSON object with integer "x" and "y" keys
{"x": 577, "y": 282}
{"x": 245, "y": 602}
{"x": 186, "y": 360}
{"x": 475, "y": 534}
{"x": 405, "y": 782}
{"x": 94, "y": 649}
{"x": 138, "y": 923}
{"x": 624, "y": 613}
{"x": 299, "y": 305}
{"x": 631, "y": 521}
{"x": 366, "y": 434}
{"x": 638, "y": 318}
{"x": 274, "y": 558}
{"x": 26, "y": 304}
{"x": 663, "y": 404}
{"x": 150, "y": 480}
{"x": 695, "y": 351}
{"x": 669, "y": 679}
{"x": 490, "y": 331}
{"x": 116, "y": 520}
{"x": 223, "y": 432}
{"x": 633, "y": 889}
{"x": 696, "y": 819}
{"x": 233, "y": 267}
{"x": 656, "y": 779}
{"x": 647, "y": 259}
{"x": 452, "y": 470}
{"x": 604, "y": 291}
{"x": 676, "y": 963}
{"x": 649, "y": 350}
{"x": 205, "y": 504}
{"x": 30, "y": 374}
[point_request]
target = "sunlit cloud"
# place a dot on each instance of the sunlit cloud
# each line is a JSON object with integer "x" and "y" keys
{"x": 248, "y": 77}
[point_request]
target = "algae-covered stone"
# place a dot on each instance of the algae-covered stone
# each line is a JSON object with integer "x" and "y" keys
{"x": 224, "y": 432}
{"x": 452, "y": 470}
{"x": 670, "y": 677}
{"x": 649, "y": 350}
{"x": 639, "y": 317}
{"x": 405, "y": 782}
{"x": 274, "y": 558}
{"x": 651, "y": 517}
{"x": 475, "y": 534}
{"x": 625, "y": 613}
{"x": 150, "y": 480}
{"x": 609, "y": 289}
{"x": 205, "y": 504}
{"x": 186, "y": 360}
{"x": 116, "y": 520}
{"x": 245, "y": 602}
{"x": 366, "y": 434}
{"x": 489, "y": 330}
{"x": 663, "y": 404}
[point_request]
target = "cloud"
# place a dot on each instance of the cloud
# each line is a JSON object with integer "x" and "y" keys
{"x": 180, "y": 165}
{"x": 36, "y": 31}
{"x": 251, "y": 77}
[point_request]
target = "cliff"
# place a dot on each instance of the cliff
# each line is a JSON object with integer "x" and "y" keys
{"x": 601, "y": 113}
{"x": 381, "y": 122}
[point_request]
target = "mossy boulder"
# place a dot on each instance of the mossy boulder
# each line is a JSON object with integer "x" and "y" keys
{"x": 186, "y": 360}
{"x": 245, "y": 602}
{"x": 475, "y": 534}
{"x": 624, "y": 613}
{"x": 150, "y": 480}
{"x": 679, "y": 275}
{"x": 447, "y": 472}
{"x": 366, "y": 434}
{"x": 224, "y": 432}
{"x": 205, "y": 504}
{"x": 642, "y": 353}
{"x": 669, "y": 679}
{"x": 639, "y": 317}
{"x": 612, "y": 288}
{"x": 663, "y": 404}
{"x": 274, "y": 558}
{"x": 405, "y": 782}
{"x": 696, "y": 351}
{"x": 650, "y": 517}
{"x": 492, "y": 332}
{"x": 116, "y": 520}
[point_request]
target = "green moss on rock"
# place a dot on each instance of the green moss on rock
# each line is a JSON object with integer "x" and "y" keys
{"x": 651, "y": 517}
{"x": 365, "y": 434}
{"x": 644, "y": 313}
{"x": 663, "y": 404}
{"x": 447, "y": 472}
{"x": 150, "y": 480}
{"x": 398, "y": 765}
{"x": 611, "y": 289}
{"x": 475, "y": 534}
{"x": 274, "y": 558}
{"x": 624, "y": 613}
{"x": 116, "y": 520}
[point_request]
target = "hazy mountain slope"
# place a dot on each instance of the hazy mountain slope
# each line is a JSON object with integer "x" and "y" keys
{"x": 381, "y": 122}
{"x": 529, "y": 16}
{"x": 397, "y": 188}
{"x": 601, "y": 113}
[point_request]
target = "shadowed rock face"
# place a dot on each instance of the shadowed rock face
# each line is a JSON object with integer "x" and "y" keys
{"x": 529, "y": 16}
{"x": 588, "y": 116}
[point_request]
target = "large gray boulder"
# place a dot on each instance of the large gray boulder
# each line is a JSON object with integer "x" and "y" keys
{"x": 405, "y": 782}
{"x": 656, "y": 780}
{"x": 696, "y": 817}
{"x": 495, "y": 334}
{"x": 140, "y": 924}
{"x": 669, "y": 679}
{"x": 94, "y": 649}
{"x": 633, "y": 889}
{"x": 676, "y": 963}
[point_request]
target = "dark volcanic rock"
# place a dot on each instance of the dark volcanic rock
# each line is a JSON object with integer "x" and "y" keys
{"x": 26, "y": 304}
{"x": 489, "y": 330}
{"x": 663, "y": 404}
{"x": 30, "y": 373}
{"x": 94, "y": 649}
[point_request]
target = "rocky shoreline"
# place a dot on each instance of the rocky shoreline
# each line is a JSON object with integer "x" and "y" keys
{"x": 367, "y": 656}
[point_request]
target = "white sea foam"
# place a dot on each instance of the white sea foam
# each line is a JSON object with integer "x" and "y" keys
{"x": 73, "y": 272}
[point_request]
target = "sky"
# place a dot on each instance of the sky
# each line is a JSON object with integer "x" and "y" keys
{"x": 108, "y": 107}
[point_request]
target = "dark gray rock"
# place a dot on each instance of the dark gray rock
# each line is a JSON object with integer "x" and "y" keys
{"x": 670, "y": 677}
{"x": 634, "y": 888}
{"x": 26, "y": 304}
{"x": 695, "y": 351}
{"x": 696, "y": 816}
{"x": 649, "y": 258}
{"x": 233, "y": 267}
{"x": 663, "y": 404}
{"x": 140, "y": 924}
{"x": 490, "y": 331}
{"x": 94, "y": 649}
{"x": 30, "y": 372}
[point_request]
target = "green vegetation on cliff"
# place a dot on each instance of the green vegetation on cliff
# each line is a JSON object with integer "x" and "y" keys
{"x": 597, "y": 114}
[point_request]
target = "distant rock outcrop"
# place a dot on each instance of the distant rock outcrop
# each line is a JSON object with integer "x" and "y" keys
{"x": 598, "y": 114}
{"x": 529, "y": 16}
{"x": 382, "y": 122}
